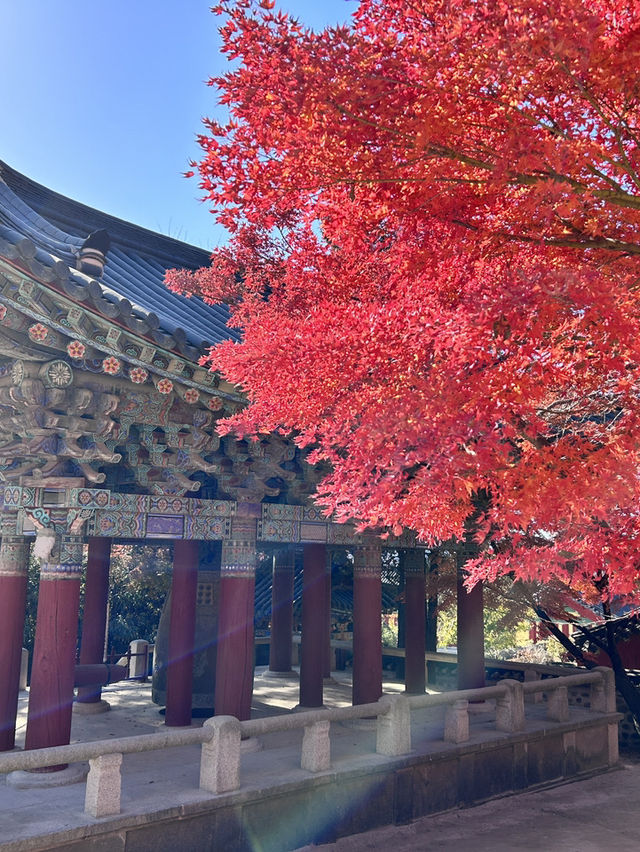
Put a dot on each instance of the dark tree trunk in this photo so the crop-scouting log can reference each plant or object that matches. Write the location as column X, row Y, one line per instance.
column 624, row 684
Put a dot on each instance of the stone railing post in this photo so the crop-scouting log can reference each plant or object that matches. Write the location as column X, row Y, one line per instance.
column 220, row 758
column 139, row 658
column 603, row 691
column 316, row 747
column 558, row 704
column 102, row 796
column 393, row 736
column 456, row 722
column 603, row 700
column 510, row 707
column 532, row 676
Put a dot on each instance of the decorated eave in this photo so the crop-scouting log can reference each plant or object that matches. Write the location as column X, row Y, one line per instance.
column 70, row 506
column 99, row 373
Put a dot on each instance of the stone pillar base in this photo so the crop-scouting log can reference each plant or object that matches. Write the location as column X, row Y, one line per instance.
column 291, row 674
column 301, row 708
column 90, row 708
column 24, row 780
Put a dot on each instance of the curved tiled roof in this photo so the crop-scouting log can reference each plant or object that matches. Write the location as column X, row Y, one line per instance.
column 54, row 228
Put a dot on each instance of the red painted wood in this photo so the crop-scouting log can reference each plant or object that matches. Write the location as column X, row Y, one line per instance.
column 312, row 650
column 94, row 618
column 182, row 631
column 367, row 638
column 281, row 611
column 13, row 591
column 470, row 638
column 234, row 663
column 54, row 657
column 414, row 667
column 326, row 670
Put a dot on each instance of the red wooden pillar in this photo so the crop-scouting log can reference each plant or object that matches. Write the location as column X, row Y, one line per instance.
column 54, row 653
column 326, row 669
column 312, row 651
column 182, row 631
column 94, row 619
column 282, row 612
column 414, row 585
column 367, row 629
column 14, row 561
column 470, row 635
column 234, row 662
column 431, row 626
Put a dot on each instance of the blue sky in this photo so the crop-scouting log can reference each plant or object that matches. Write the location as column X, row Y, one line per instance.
column 102, row 101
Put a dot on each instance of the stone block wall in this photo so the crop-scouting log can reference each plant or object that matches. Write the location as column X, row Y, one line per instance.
column 334, row 804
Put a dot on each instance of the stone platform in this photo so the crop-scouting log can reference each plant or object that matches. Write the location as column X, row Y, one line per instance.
column 279, row 805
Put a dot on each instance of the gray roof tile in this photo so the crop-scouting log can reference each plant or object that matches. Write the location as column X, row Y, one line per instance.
column 136, row 262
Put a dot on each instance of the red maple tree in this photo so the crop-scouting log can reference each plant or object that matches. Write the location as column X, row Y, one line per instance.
column 435, row 266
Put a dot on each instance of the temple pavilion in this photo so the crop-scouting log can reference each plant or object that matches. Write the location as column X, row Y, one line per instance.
column 108, row 435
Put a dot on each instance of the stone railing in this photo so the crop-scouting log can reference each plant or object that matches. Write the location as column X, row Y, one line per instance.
column 220, row 736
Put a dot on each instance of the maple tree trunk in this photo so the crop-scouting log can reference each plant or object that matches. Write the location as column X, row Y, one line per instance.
column 624, row 684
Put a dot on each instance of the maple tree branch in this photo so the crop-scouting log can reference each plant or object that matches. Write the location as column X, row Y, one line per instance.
column 600, row 174
column 582, row 88
column 565, row 242
column 629, row 169
column 566, row 643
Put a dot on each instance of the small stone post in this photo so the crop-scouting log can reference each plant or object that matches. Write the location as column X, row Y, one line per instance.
column 558, row 704
column 139, row 659
column 394, row 726
column 603, row 691
column 316, row 747
column 220, row 759
column 510, row 707
column 603, row 700
column 102, row 797
column 456, row 722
